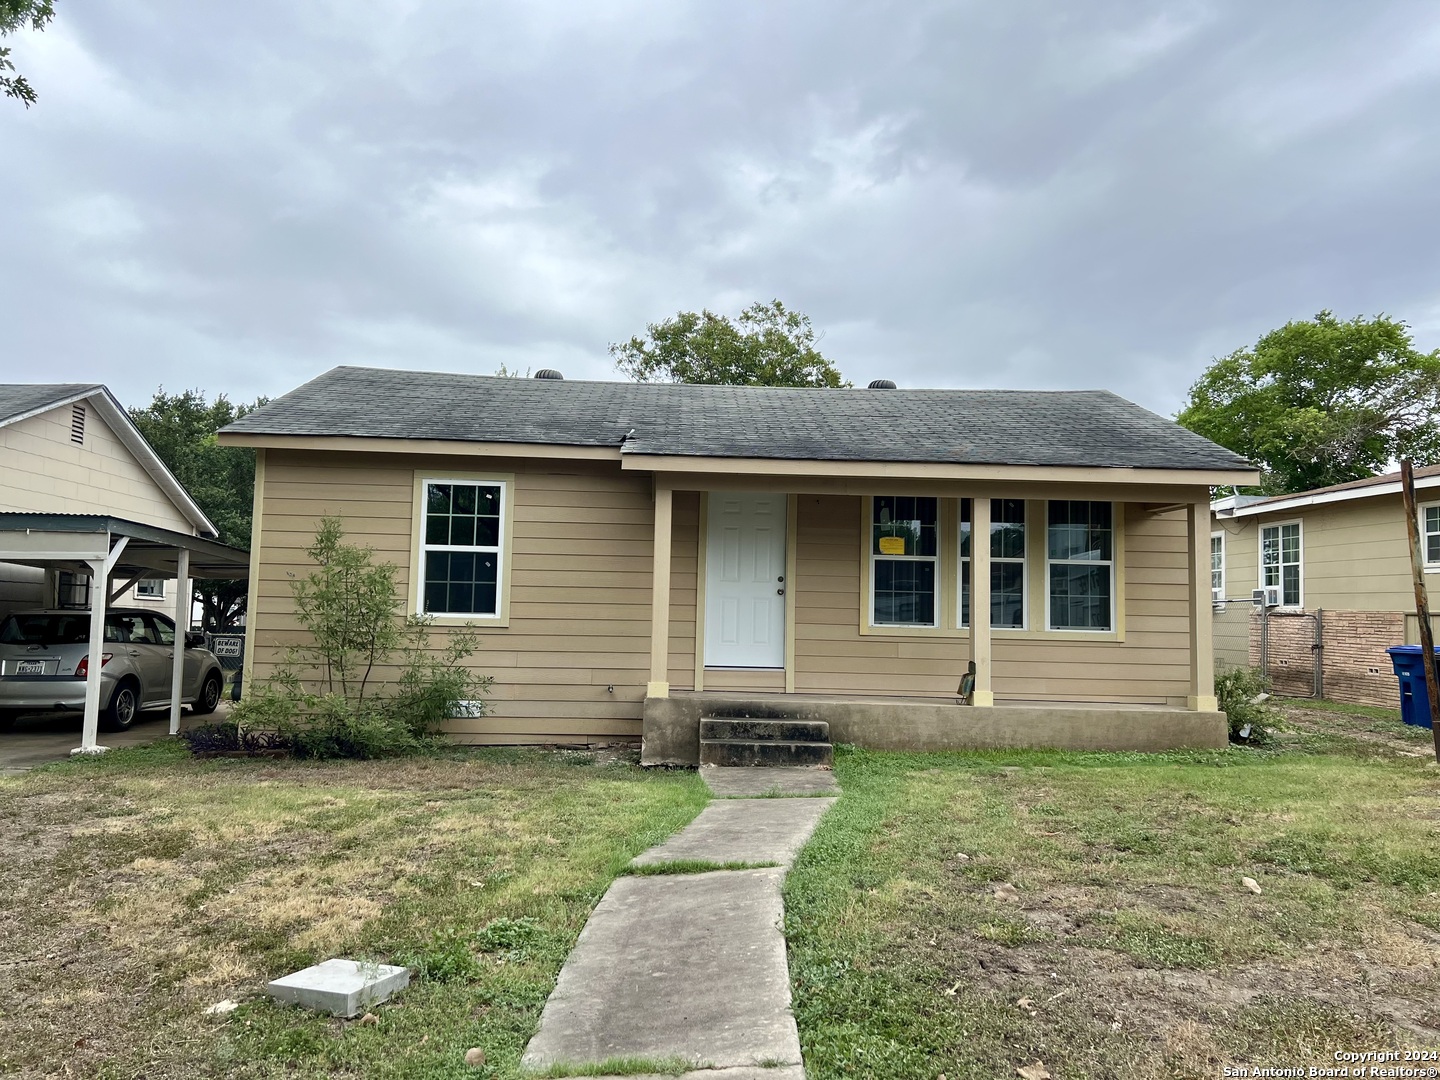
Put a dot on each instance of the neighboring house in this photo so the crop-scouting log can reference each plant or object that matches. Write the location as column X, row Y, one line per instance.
column 1336, row 562
column 813, row 548
column 72, row 449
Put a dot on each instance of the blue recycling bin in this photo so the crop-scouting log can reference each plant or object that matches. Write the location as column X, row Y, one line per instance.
column 1409, row 664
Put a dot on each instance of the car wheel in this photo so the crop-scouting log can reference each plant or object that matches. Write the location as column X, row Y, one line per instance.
column 7, row 719
column 124, row 707
column 209, row 695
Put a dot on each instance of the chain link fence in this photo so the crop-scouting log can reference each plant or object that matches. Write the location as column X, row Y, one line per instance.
column 1288, row 646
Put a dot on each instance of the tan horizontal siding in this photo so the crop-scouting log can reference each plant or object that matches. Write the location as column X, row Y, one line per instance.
column 759, row 681
column 581, row 566
column 832, row 656
column 43, row 471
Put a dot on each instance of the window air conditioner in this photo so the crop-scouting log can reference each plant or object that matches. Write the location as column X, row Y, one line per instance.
column 1267, row 597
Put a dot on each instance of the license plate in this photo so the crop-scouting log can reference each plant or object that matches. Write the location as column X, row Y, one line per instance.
column 30, row 667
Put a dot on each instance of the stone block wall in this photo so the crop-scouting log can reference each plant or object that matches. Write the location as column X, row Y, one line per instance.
column 1356, row 666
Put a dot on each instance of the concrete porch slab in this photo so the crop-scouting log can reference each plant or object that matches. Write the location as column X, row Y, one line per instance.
column 671, row 725
column 689, row 967
column 741, row 783
column 743, row 830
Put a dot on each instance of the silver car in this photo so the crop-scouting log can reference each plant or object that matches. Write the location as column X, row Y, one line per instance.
column 44, row 662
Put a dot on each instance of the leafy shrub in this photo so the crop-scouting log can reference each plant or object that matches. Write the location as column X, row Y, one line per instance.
column 332, row 697
column 1236, row 689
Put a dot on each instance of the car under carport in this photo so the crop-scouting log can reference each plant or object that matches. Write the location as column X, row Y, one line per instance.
column 116, row 553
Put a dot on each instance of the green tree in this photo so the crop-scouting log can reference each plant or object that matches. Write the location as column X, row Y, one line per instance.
column 17, row 15
column 181, row 428
column 1322, row 401
column 768, row 345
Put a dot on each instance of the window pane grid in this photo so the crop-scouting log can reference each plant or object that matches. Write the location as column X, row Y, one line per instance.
column 462, row 548
column 1280, row 561
column 1007, row 563
column 1430, row 526
column 1080, row 555
column 904, row 548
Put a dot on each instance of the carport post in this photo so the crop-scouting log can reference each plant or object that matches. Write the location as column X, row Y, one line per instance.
column 182, row 624
column 99, row 583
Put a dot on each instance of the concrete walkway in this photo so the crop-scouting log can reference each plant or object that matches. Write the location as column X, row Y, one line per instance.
column 691, row 966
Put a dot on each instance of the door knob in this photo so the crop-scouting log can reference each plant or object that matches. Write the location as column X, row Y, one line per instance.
column 779, row 592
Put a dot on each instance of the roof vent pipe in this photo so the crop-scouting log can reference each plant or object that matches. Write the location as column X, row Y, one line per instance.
column 548, row 373
column 882, row 384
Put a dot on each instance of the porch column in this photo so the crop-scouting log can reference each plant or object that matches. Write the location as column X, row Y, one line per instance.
column 1202, row 642
column 99, row 586
column 980, row 600
column 659, row 684
column 182, row 624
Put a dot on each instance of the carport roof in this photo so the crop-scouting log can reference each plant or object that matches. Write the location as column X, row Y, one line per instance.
column 150, row 550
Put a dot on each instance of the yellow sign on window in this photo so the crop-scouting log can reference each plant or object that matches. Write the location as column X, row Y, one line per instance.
column 892, row 545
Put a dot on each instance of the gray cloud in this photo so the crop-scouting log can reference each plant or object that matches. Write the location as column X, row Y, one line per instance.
column 237, row 197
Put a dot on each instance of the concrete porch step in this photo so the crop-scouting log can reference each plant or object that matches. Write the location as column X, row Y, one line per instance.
column 774, row 752
column 746, row 729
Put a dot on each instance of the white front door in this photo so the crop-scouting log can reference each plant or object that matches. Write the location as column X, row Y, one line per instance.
column 745, row 581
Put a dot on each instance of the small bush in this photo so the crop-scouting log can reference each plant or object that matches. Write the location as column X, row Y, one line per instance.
column 1236, row 690
column 365, row 683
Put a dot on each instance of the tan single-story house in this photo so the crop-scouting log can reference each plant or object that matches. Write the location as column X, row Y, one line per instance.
column 1335, row 566
column 634, row 555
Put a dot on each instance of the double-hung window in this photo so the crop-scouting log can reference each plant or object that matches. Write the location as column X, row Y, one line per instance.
column 1217, row 566
column 1080, row 565
column 154, row 588
column 1007, row 563
column 904, row 555
column 461, row 548
column 1430, row 535
column 1280, row 561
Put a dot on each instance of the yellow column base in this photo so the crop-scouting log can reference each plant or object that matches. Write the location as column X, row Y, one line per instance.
column 657, row 689
column 982, row 697
column 1202, row 704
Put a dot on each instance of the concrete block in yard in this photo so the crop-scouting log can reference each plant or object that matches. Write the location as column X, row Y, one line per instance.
column 340, row 987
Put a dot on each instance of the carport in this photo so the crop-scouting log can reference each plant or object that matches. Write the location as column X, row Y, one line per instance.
column 114, row 549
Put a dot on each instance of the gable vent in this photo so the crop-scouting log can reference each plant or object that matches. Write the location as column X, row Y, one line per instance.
column 77, row 424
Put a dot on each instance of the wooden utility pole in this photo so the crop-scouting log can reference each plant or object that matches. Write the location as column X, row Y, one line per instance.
column 1422, row 603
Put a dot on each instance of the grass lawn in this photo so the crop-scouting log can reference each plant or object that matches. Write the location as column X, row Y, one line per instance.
column 142, row 887
column 1130, row 947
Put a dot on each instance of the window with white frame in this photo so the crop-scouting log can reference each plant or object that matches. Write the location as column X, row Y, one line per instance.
column 904, row 555
column 1217, row 566
column 461, row 548
column 1430, row 534
column 1080, row 565
column 1007, row 563
column 151, row 588
column 1280, row 561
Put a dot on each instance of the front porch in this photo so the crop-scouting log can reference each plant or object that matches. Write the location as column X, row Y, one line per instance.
column 672, row 723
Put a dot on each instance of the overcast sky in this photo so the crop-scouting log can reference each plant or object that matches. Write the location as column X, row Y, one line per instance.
column 237, row 197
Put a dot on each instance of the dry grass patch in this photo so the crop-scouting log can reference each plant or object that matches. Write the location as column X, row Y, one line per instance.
column 146, row 886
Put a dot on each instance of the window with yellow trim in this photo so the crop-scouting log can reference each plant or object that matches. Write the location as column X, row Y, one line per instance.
column 461, row 548
column 905, row 554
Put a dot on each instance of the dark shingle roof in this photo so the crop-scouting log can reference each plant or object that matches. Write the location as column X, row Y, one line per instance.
column 17, row 399
column 1010, row 427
